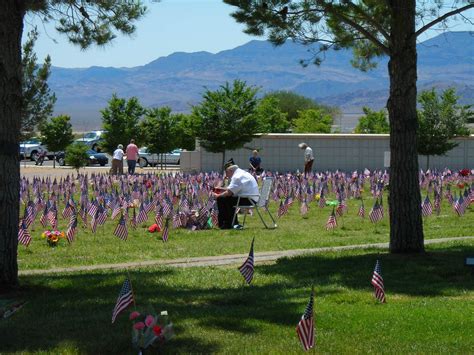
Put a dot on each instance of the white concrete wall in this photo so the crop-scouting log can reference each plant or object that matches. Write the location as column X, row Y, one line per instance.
column 345, row 152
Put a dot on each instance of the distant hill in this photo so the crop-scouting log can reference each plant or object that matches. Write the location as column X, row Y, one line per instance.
column 178, row 80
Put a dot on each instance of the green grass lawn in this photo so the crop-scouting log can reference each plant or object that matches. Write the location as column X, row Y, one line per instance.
column 293, row 232
column 429, row 305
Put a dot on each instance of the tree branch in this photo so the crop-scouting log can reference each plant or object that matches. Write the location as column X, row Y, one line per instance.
column 442, row 18
column 362, row 30
column 369, row 20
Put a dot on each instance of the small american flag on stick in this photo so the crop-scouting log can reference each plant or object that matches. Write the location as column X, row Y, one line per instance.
column 247, row 268
column 377, row 282
column 124, row 299
column 121, row 230
column 305, row 327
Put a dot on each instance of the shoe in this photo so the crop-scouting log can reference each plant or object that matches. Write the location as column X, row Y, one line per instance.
column 239, row 227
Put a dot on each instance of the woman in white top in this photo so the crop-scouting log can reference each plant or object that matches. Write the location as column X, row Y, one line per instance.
column 117, row 161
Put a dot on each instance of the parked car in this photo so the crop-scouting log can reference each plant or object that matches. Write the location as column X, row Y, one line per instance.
column 29, row 149
column 94, row 158
column 146, row 158
column 92, row 139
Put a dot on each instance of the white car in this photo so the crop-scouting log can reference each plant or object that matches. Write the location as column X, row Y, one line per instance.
column 147, row 158
column 29, row 149
column 92, row 139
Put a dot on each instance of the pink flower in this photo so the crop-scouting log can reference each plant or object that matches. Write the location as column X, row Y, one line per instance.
column 139, row 325
column 149, row 320
column 134, row 315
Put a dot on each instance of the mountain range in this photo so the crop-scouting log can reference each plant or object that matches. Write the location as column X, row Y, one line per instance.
column 179, row 80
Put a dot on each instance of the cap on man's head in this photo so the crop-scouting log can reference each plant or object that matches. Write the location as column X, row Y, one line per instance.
column 229, row 163
column 302, row 145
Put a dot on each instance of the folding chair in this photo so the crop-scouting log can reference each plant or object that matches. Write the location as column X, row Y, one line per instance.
column 257, row 202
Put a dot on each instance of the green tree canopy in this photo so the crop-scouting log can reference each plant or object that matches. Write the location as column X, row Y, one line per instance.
column 56, row 134
column 38, row 101
column 270, row 116
column 290, row 103
column 373, row 122
column 313, row 121
column 185, row 131
column 226, row 118
column 158, row 130
column 372, row 28
column 120, row 122
column 441, row 119
column 76, row 156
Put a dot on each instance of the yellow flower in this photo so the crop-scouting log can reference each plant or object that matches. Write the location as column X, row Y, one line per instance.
column 54, row 238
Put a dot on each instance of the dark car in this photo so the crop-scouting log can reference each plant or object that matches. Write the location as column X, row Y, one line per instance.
column 94, row 158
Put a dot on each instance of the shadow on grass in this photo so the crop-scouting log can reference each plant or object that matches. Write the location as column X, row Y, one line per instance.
column 73, row 312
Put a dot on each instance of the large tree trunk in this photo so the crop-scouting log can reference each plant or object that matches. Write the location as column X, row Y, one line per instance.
column 11, row 28
column 406, row 228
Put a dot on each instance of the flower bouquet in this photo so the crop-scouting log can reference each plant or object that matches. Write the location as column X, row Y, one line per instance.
column 52, row 237
column 150, row 329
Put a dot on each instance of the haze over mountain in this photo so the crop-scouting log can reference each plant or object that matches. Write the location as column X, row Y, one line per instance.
column 178, row 80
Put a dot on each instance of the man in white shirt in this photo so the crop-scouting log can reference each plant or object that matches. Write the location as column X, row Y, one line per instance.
column 241, row 183
column 308, row 158
column 117, row 161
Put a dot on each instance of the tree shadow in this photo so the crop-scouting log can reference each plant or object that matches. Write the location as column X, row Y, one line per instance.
column 76, row 309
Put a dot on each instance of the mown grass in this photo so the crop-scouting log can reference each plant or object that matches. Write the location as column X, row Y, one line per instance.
column 293, row 232
column 428, row 310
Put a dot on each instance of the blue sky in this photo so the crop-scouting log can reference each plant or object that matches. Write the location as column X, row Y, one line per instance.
column 170, row 26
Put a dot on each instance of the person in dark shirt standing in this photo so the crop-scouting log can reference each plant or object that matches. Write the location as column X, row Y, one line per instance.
column 255, row 162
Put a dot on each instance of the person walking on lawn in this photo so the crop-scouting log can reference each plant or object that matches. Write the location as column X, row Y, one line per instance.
column 132, row 156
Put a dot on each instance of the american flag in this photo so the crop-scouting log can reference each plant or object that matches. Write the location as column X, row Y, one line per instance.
column 71, row 231
column 142, row 215
column 377, row 282
column 305, row 327
column 214, row 217
column 426, row 207
column 23, row 234
column 332, row 221
column 159, row 219
column 247, row 268
column 29, row 215
column 68, row 210
column 121, row 230
column 101, row 215
column 164, row 236
column 116, row 209
column 341, row 206
column 361, row 212
column 459, row 206
column 125, row 299
column 322, row 200
column 44, row 216
column 95, row 222
column 376, row 213
column 283, row 209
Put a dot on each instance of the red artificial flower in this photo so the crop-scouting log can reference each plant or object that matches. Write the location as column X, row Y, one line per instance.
column 157, row 330
column 464, row 172
column 149, row 320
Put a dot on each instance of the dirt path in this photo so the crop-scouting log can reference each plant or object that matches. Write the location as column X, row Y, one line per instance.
column 218, row 260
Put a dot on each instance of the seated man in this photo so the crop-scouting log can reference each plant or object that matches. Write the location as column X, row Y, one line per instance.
column 241, row 183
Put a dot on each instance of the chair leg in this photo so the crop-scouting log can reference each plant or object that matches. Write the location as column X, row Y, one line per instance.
column 261, row 218
column 273, row 220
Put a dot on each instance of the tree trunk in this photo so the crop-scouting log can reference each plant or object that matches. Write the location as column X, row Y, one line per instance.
column 406, row 228
column 11, row 28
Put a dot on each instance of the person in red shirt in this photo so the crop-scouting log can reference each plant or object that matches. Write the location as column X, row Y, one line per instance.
column 132, row 156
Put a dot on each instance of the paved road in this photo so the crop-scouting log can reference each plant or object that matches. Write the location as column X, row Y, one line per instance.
column 269, row 256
